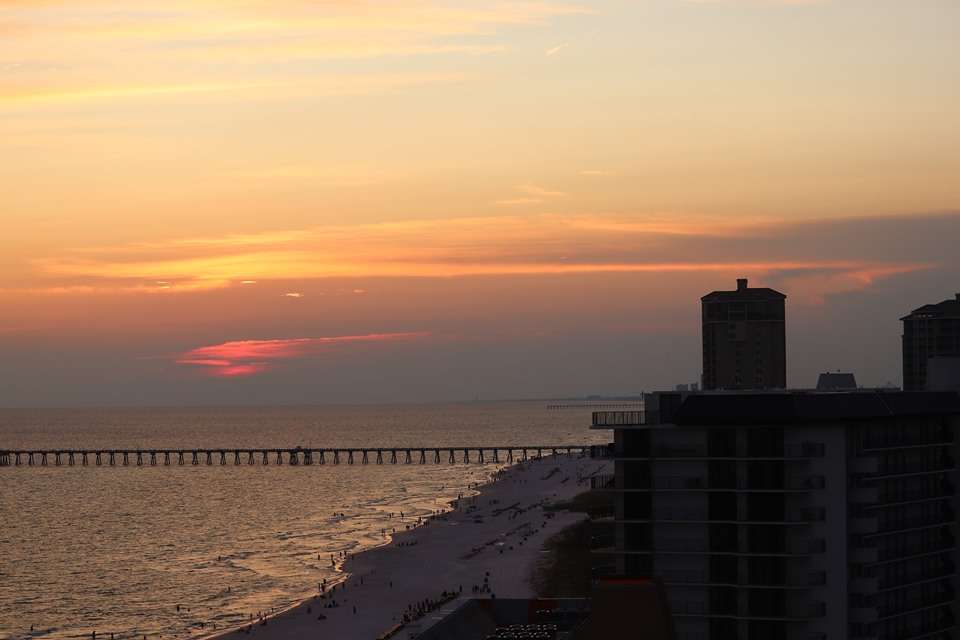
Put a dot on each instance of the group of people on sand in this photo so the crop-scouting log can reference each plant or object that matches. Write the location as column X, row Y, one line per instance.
column 421, row 608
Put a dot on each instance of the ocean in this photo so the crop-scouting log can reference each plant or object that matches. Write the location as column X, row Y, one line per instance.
column 179, row 551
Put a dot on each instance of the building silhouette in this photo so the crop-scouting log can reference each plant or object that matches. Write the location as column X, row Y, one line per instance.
column 744, row 339
column 932, row 331
column 789, row 515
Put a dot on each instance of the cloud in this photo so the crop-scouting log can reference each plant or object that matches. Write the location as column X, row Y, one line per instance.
column 276, row 90
column 557, row 49
column 538, row 191
column 830, row 255
column 293, row 294
column 758, row 3
column 65, row 53
column 534, row 194
column 243, row 358
column 510, row 202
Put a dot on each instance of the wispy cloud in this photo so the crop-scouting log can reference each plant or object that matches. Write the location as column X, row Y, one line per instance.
column 540, row 192
column 498, row 245
column 243, row 358
column 557, row 49
column 533, row 194
column 511, row 202
column 66, row 52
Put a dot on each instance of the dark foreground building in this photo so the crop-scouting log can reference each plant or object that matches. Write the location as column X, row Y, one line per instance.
column 932, row 331
column 790, row 516
column 744, row 339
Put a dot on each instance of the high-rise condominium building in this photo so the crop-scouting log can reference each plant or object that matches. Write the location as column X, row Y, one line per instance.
column 789, row 516
column 932, row 331
column 744, row 339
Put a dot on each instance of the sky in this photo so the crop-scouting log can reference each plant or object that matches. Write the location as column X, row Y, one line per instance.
column 350, row 201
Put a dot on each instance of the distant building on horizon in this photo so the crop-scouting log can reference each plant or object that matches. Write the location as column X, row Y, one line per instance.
column 744, row 339
column 836, row 382
column 931, row 331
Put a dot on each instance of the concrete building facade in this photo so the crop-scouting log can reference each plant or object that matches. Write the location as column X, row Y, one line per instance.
column 795, row 516
column 744, row 339
column 931, row 331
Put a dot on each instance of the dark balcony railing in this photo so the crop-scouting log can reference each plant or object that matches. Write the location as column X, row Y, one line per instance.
column 933, row 630
column 672, row 514
column 885, row 553
column 696, row 451
column 788, row 483
column 876, row 441
column 809, row 546
column 602, row 481
column 808, row 611
column 909, row 605
column 894, row 496
column 900, row 581
column 907, row 470
column 900, row 525
column 697, row 577
column 618, row 418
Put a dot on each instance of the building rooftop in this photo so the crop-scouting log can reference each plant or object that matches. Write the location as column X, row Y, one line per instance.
column 836, row 382
column 744, row 292
column 945, row 308
column 800, row 408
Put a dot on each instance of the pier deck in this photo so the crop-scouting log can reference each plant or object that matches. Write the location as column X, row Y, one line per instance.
column 296, row 456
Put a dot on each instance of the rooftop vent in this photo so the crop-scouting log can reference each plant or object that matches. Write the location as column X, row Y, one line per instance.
column 742, row 285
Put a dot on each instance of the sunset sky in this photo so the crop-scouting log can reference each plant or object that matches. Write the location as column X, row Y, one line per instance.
column 305, row 201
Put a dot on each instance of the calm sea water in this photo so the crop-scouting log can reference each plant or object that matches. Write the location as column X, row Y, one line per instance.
column 117, row 549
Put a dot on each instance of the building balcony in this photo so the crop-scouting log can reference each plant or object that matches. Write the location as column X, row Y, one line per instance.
column 944, row 440
column 804, row 613
column 915, row 605
column 789, row 484
column 662, row 452
column 948, row 572
column 908, row 525
column 806, row 516
column 898, row 498
column 606, row 419
column 885, row 555
column 926, row 632
column 604, row 545
column 696, row 578
column 907, row 471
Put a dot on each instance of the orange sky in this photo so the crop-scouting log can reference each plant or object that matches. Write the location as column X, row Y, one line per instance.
column 181, row 177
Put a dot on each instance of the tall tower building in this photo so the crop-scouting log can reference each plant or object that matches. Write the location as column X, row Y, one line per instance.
column 744, row 339
column 930, row 332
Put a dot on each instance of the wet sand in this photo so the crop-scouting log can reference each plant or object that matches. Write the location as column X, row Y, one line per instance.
column 487, row 546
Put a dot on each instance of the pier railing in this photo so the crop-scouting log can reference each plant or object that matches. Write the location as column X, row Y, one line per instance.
column 296, row 456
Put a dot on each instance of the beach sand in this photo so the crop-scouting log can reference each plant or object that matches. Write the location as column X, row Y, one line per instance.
column 495, row 536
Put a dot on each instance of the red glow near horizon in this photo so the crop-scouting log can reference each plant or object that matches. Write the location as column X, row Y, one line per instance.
column 241, row 358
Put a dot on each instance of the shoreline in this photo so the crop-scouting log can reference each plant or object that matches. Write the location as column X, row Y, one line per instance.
column 341, row 575
column 475, row 549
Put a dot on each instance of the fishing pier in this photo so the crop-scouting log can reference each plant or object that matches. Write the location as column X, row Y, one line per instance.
column 298, row 456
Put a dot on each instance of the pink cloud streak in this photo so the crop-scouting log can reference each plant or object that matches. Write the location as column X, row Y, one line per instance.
column 242, row 358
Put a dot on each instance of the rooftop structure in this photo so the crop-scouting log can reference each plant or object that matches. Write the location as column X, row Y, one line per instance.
column 789, row 515
column 744, row 339
column 930, row 331
column 836, row 382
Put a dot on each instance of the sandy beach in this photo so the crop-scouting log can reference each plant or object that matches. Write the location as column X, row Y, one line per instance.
column 485, row 546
